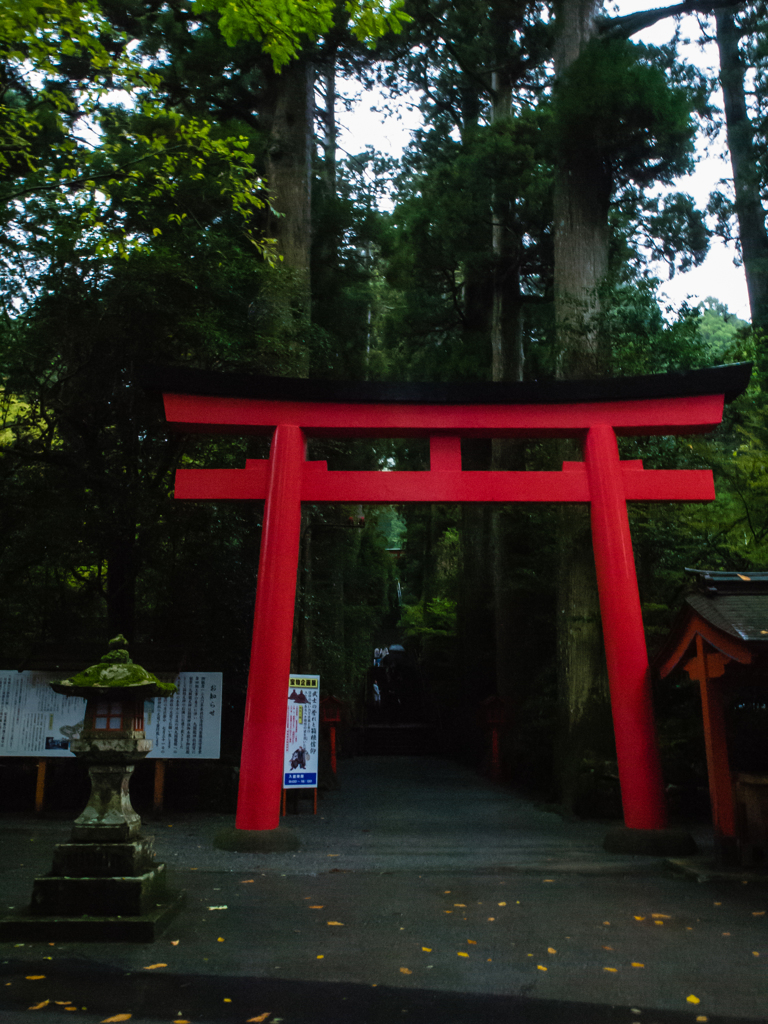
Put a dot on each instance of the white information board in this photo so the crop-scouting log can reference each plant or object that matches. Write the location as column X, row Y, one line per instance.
column 302, row 733
column 36, row 722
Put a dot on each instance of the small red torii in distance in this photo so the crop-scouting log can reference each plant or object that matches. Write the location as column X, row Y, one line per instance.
column 594, row 412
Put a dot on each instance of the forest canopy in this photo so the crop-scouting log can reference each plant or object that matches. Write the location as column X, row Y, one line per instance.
column 172, row 190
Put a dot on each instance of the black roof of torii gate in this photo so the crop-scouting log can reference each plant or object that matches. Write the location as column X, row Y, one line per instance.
column 730, row 380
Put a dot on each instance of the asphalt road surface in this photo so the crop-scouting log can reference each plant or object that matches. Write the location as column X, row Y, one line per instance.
column 421, row 893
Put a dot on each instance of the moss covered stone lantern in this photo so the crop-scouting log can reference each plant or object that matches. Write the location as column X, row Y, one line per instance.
column 105, row 882
column 112, row 740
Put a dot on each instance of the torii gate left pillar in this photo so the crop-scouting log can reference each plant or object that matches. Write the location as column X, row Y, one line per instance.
column 602, row 479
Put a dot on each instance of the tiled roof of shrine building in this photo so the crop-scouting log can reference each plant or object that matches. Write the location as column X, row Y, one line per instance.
column 735, row 602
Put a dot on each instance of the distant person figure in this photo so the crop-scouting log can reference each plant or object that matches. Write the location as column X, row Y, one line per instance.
column 377, row 658
column 376, row 695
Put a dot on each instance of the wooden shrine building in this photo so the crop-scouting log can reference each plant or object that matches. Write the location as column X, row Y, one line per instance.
column 720, row 638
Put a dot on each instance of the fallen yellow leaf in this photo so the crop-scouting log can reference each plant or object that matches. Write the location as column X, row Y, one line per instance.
column 757, row 913
column 447, row 911
column 406, row 970
column 540, row 968
column 63, row 1002
column 446, row 892
column 692, row 999
column 608, row 947
column 471, row 942
column 638, row 917
column 247, row 881
column 550, row 950
column 220, row 939
column 39, row 1006
column 462, row 954
column 426, row 949
column 701, row 1019
column 459, row 904
column 317, row 906
column 340, row 923
column 502, row 904
column 35, row 977
column 638, row 965
column 491, row 918
column 725, row 933
column 755, row 953
column 665, row 916
column 321, row 956
column 117, row 1018
column 606, row 922
column 334, row 854
column 152, row 967
column 174, row 942
column 548, row 880
column 613, row 970
column 260, row 1018
column 227, row 999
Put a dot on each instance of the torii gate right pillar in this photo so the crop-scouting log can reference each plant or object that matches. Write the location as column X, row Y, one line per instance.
column 640, row 778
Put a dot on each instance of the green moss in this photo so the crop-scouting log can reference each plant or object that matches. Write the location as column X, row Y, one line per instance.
column 117, row 669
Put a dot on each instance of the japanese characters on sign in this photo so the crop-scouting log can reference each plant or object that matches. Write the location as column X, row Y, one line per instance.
column 36, row 722
column 302, row 733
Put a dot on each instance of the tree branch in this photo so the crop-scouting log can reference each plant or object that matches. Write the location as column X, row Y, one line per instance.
column 629, row 24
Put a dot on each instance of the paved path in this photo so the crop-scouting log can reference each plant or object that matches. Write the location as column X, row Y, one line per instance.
column 421, row 893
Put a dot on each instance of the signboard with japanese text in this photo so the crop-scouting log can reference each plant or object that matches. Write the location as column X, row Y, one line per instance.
column 302, row 732
column 36, row 722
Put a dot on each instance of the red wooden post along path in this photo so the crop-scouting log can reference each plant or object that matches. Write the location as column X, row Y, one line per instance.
column 593, row 411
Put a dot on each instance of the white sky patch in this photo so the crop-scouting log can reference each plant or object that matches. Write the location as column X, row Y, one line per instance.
column 368, row 124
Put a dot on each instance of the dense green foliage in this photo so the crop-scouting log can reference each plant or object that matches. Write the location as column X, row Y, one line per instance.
column 135, row 233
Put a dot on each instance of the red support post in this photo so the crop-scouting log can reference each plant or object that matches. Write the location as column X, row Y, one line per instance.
column 716, row 743
column 642, row 789
column 495, row 754
column 261, row 765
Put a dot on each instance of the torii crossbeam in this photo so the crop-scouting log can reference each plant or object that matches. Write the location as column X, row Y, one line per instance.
column 594, row 412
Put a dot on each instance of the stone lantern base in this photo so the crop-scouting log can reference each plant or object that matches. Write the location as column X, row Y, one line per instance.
column 122, row 886
column 105, row 884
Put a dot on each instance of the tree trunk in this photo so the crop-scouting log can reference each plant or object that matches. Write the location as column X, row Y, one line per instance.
column 744, row 162
column 585, row 710
column 581, row 203
column 475, row 610
column 305, row 640
column 287, row 112
column 121, row 586
column 330, row 134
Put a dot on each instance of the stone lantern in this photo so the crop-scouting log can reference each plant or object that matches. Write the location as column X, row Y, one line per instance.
column 105, row 882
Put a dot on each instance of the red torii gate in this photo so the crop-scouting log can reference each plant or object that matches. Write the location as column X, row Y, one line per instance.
column 593, row 411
